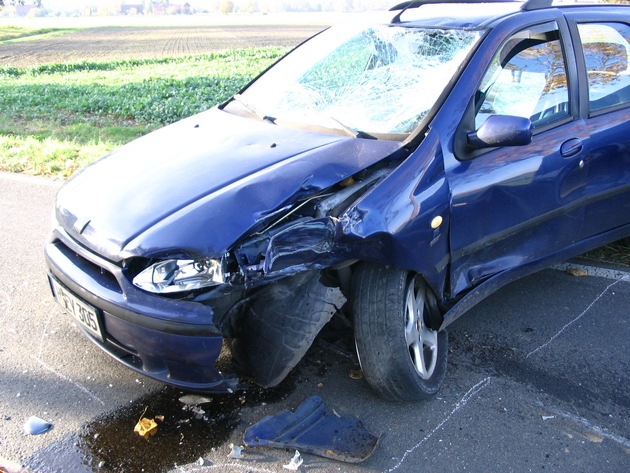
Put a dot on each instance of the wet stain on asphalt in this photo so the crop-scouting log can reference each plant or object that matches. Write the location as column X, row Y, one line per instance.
column 109, row 444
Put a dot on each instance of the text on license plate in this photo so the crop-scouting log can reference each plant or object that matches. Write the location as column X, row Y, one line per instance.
column 84, row 313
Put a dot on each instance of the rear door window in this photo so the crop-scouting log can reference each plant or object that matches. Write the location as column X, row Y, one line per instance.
column 606, row 48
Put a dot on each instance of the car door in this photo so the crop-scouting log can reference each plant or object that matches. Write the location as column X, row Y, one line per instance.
column 603, row 51
column 512, row 205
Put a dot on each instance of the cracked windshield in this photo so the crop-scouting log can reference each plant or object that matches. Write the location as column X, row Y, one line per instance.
column 378, row 81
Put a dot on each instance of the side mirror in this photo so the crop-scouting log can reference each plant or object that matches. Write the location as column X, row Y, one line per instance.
column 502, row 130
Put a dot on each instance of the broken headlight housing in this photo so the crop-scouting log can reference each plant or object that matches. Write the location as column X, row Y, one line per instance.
column 179, row 275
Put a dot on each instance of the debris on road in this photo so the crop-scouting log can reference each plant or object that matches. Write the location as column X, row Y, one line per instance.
column 194, row 399
column 236, row 451
column 35, row 426
column 578, row 272
column 356, row 374
column 145, row 427
column 295, row 462
column 312, row 429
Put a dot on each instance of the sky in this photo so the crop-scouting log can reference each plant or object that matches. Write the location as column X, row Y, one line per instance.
column 197, row 4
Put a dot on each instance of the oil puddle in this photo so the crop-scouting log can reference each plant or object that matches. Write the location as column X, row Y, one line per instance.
column 109, row 444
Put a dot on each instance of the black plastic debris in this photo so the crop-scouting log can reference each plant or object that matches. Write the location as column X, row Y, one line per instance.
column 312, row 429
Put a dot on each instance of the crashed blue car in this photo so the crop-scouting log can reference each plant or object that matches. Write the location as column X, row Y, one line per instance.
column 392, row 175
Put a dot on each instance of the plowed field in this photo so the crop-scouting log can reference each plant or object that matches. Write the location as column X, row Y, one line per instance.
column 124, row 42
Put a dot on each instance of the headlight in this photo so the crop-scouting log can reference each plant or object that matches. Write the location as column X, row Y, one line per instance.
column 180, row 275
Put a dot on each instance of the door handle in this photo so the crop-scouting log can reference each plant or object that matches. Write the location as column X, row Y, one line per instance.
column 571, row 147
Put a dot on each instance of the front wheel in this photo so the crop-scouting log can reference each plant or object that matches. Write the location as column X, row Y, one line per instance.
column 401, row 357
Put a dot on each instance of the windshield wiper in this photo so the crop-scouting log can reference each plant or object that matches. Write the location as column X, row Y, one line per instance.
column 351, row 131
column 250, row 108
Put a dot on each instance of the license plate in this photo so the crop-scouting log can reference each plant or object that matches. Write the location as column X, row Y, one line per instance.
column 85, row 314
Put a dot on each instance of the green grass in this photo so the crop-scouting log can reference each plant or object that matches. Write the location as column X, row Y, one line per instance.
column 57, row 118
column 12, row 34
column 615, row 253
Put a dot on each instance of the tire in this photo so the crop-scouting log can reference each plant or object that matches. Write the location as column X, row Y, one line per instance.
column 401, row 358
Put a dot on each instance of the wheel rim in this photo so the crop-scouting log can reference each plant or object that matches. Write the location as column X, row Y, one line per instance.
column 421, row 340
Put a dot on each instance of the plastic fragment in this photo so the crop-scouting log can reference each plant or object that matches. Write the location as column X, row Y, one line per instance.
column 235, row 453
column 295, row 462
column 194, row 399
column 356, row 374
column 198, row 412
column 35, row 426
column 312, row 429
column 548, row 417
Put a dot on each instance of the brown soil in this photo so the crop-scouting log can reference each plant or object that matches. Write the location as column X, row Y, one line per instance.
column 111, row 43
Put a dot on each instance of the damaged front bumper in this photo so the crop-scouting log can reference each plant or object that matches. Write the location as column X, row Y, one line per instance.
column 172, row 341
column 178, row 341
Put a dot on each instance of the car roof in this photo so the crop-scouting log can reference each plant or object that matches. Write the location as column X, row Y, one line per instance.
column 472, row 13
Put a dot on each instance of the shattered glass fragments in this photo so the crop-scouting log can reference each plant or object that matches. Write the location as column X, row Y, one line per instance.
column 377, row 80
column 312, row 429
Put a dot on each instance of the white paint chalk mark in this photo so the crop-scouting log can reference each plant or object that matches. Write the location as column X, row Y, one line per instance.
column 561, row 331
column 472, row 392
column 42, row 338
column 65, row 378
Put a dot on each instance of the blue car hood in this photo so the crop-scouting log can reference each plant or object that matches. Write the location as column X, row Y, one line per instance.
column 198, row 185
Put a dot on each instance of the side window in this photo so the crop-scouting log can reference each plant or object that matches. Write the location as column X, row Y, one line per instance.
column 527, row 78
column 606, row 48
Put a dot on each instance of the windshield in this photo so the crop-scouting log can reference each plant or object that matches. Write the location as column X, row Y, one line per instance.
column 380, row 80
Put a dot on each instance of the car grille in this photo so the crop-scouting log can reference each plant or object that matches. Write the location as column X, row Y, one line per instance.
column 102, row 275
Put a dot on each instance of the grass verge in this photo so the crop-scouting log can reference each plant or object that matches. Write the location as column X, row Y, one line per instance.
column 616, row 253
column 57, row 118
column 12, row 34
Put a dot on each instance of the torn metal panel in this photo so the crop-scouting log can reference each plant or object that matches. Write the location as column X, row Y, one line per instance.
column 312, row 429
column 280, row 323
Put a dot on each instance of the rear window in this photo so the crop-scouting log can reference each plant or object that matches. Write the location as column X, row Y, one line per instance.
column 606, row 47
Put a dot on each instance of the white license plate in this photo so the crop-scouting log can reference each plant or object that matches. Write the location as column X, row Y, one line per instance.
column 84, row 313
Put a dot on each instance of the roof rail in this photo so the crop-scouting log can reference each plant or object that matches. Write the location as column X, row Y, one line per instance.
column 527, row 5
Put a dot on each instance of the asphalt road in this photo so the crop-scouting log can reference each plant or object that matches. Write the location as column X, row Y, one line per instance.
column 538, row 381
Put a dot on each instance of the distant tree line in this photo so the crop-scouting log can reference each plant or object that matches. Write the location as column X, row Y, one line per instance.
column 37, row 3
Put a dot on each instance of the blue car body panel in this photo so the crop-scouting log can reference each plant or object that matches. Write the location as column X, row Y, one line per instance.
column 220, row 185
column 217, row 170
